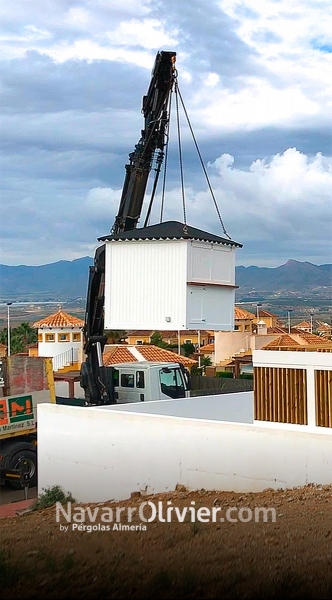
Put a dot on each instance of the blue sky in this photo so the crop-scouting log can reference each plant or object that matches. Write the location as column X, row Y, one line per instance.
column 255, row 79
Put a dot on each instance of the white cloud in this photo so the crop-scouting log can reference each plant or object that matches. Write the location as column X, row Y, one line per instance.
column 283, row 200
column 254, row 78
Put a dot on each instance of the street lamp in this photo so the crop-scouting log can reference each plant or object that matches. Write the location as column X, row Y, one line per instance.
column 257, row 313
column 8, row 327
column 289, row 310
column 311, row 324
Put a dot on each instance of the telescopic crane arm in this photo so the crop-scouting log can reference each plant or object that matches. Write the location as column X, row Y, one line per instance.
column 153, row 137
column 95, row 378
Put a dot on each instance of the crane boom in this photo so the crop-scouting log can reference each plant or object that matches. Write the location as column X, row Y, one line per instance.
column 95, row 378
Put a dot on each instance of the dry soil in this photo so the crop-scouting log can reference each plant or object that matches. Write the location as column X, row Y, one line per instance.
column 288, row 558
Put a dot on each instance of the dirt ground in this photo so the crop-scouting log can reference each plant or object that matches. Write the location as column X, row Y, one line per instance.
column 290, row 557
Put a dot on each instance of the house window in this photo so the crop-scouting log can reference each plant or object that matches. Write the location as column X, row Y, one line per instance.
column 139, row 342
column 49, row 337
column 236, row 328
column 187, row 341
column 247, row 328
column 40, row 337
column 63, row 337
column 127, row 380
column 76, row 337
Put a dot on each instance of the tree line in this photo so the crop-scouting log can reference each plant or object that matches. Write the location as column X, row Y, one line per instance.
column 20, row 337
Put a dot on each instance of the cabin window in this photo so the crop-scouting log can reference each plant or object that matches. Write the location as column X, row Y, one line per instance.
column 187, row 341
column 49, row 337
column 127, row 380
column 140, row 379
column 76, row 337
column 139, row 342
column 236, row 328
column 171, row 383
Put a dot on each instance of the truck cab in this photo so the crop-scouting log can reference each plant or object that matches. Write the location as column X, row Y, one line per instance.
column 146, row 381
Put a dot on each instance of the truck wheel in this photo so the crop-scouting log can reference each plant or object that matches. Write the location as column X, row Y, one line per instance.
column 26, row 452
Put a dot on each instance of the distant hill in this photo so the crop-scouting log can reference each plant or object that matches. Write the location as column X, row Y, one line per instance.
column 293, row 276
column 68, row 279
column 59, row 280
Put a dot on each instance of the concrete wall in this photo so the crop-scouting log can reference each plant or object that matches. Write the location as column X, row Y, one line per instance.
column 228, row 343
column 100, row 454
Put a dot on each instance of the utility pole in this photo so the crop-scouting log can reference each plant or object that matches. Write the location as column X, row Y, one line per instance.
column 257, row 310
column 8, row 328
column 311, row 324
column 289, row 319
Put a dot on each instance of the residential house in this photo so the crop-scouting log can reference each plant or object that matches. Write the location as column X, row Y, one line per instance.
column 304, row 326
column 188, row 336
column 60, row 337
column 243, row 320
column 207, row 351
column 269, row 318
column 324, row 330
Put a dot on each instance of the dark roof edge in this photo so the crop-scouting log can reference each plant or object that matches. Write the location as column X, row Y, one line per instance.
column 225, row 242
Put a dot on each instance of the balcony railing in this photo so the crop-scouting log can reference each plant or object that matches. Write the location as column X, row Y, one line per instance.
column 65, row 359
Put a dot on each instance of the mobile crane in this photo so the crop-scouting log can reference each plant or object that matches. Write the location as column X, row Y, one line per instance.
column 102, row 385
column 96, row 379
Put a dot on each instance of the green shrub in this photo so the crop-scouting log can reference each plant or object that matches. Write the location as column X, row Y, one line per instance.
column 50, row 496
column 226, row 374
column 246, row 376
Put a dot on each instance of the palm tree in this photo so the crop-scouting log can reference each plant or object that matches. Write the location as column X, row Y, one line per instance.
column 116, row 336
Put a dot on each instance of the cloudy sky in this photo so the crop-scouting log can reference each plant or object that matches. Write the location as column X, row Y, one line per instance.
column 256, row 80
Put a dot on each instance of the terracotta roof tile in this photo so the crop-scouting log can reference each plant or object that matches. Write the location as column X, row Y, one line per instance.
column 276, row 330
column 303, row 324
column 241, row 313
column 266, row 313
column 120, row 354
column 59, row 319
column 156, row 354
column 281, row 341
column 207, row 348
column 311, row 338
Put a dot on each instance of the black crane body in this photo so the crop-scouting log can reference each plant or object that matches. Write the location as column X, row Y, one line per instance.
column 95, row 378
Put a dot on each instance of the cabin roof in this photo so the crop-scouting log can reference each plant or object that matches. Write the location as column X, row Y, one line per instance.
column 170, row 230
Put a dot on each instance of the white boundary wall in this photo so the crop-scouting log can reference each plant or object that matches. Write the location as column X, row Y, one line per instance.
column 100, row 454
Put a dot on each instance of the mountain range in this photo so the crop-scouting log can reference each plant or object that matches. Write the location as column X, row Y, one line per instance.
column 68, row 279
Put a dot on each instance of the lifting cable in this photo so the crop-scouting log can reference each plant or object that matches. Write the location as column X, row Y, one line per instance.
column 178, row 93
column 166, row 159
column 180, row 156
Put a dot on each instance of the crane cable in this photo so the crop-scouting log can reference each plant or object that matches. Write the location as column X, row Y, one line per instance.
column 178, row 93
column 166, row 159
column 180, row 156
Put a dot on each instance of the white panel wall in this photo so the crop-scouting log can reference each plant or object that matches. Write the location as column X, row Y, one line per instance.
column 145, row 283
column 101, row 454
column 210, row 307
column 211, row 263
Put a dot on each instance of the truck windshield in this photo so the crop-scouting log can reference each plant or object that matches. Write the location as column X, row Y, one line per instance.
column 171, row 383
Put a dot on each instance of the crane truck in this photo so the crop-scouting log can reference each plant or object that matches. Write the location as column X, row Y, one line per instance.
column 100, row 383
column 127, row 382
